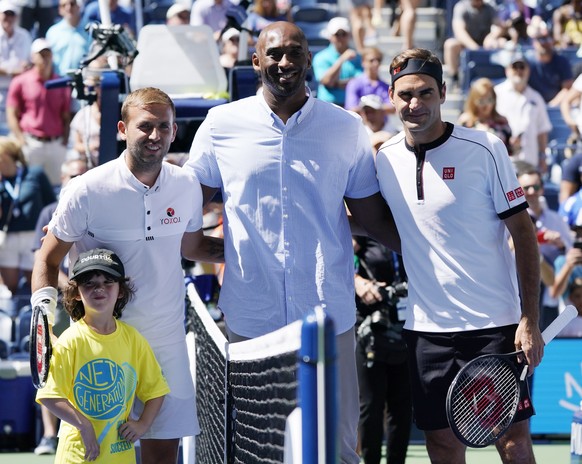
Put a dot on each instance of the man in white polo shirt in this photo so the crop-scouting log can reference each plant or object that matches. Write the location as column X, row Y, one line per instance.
column 454, row 196
column 150, row 213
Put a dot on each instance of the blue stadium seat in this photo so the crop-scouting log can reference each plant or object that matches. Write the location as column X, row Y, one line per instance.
column 478, row 63
column 242, row 82
column 22, row 328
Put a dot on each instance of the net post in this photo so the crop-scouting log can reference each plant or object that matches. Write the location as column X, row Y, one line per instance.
column 317, row 389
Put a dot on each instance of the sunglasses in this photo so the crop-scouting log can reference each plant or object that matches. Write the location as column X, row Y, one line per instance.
column 341, row 34
column 536, row 187
column 518, row 66
column 9, row 13
column 485, row 101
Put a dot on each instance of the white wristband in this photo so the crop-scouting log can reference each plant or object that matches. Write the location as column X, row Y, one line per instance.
column 47, row 298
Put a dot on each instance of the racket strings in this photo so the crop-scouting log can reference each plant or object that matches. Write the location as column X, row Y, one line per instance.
column 485, row 400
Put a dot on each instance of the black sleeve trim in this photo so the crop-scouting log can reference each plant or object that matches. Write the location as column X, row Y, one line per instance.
column 514, row 210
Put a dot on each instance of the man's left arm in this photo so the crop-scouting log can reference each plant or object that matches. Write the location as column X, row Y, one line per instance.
column 528, row 336
column 199, row 247
column 371, row 216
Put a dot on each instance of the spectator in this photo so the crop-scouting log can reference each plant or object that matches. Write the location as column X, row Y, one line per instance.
column 405, row 24
column 24, row 192
column 481, row 113
column 570, row 108
column 85, row 133
column 38, row 15
column 130, row 198
column 15, row 44
column 383, row 377
column 567, row 24
column 119, row 15
column 378, row 126
column 369, row 82
column 212, row 13
column 336, row 64
column 364, row 32
column 475, row 25
column 288, row 232
column 70, row 169
column 177, row 15
column 550, row 73
column 230, row 47
column 525, row 111
column 95, row 297
column 554, row 236
column 574, row 328
column 68, row 39
column 568, row 267
column 39, row 118
column 571, row 176
column 265, row 12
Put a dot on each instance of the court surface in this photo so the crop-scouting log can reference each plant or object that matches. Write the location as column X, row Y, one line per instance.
column 558, row 453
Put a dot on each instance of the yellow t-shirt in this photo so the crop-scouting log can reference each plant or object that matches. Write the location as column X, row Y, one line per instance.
column 101, row 375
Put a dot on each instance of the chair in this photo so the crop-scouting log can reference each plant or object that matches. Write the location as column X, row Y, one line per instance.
column 242, row 82
column 22, row 329
column 478, row 63
column 558, row 145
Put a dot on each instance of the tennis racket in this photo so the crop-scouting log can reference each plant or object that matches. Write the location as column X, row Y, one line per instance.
column 483, row 398
column 40, row 347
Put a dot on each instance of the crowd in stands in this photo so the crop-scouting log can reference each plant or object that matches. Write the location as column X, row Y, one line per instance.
column 45, row 133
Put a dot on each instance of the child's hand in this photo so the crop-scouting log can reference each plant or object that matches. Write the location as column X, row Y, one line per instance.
column 90, row 442
column 133, row 430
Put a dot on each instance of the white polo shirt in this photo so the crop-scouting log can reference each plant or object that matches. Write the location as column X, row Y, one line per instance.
column 462, row 274
column 108, row 207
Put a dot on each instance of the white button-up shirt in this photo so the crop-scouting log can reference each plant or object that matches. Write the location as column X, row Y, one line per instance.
column 288, row 243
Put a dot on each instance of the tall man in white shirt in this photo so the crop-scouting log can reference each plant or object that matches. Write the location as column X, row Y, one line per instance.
column 286, row 162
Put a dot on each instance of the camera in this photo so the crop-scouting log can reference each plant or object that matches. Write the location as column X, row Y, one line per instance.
column 577, row 244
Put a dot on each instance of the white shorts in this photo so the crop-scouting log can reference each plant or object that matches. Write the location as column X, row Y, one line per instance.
column 178, row 417
column 17, row 251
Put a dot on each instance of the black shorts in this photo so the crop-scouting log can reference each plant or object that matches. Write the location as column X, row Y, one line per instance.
column 435, row 359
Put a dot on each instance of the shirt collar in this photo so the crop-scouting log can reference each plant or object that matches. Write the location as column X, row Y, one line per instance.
column 299, row 116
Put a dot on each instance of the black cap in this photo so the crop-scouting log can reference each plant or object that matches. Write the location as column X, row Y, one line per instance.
column 99, row 259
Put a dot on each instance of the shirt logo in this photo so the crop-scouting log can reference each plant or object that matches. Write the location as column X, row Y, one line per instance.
column 510, row 195
column 170, row 212
column 519, row 192
column 448, row 173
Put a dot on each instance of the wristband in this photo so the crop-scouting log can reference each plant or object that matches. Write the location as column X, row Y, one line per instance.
column 47, row 298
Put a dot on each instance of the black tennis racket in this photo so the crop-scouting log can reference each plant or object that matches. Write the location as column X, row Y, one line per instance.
column 483, row 398
column 40, row 346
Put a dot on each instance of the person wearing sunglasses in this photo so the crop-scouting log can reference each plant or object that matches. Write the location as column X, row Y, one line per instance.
column 335, row 65
column 525, row 110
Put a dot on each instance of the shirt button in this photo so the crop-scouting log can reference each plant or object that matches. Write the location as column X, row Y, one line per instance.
column 148, row 212
column 149, row 228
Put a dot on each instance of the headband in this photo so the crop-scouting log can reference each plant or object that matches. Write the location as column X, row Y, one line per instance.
column 415, row 66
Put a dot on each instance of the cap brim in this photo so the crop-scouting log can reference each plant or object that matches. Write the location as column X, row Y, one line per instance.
column 104, row 269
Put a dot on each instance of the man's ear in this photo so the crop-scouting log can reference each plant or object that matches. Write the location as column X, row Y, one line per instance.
column 121, row 129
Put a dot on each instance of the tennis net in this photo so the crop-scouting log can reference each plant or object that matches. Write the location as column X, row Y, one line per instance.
column 245, row 391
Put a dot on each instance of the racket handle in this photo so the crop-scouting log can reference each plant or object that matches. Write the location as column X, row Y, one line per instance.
column 559, row 323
